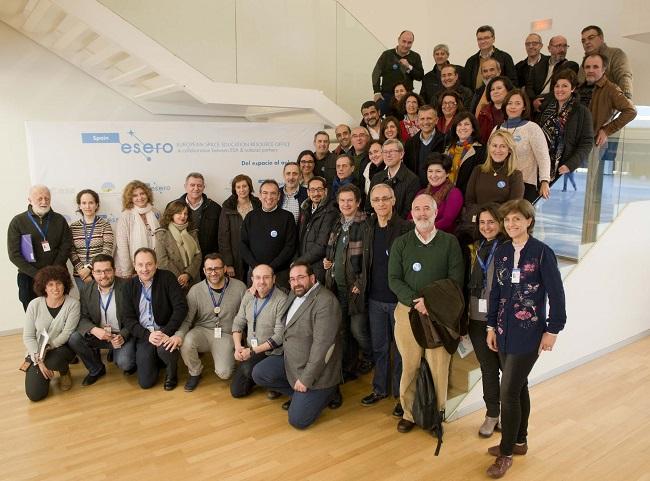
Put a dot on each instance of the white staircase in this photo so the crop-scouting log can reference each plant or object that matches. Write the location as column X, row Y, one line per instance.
column 106, row 47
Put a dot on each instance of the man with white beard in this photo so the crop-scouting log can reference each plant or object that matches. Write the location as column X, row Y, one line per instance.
column 37, row 238
column 417, row 259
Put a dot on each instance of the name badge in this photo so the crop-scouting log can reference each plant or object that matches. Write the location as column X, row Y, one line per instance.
column 474, row 219
column 482, row 305
column 253, row 342
column 46, row 246
column 417, row 267
column 386, row 252
column 516, row 276
column 274, row 233
column 217, row 333
column 217, row 310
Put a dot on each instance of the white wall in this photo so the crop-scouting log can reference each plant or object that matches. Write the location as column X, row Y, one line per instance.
column 37, row 85
column 606, row 296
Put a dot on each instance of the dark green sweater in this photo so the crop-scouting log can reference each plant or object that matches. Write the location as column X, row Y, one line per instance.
column 413, row 265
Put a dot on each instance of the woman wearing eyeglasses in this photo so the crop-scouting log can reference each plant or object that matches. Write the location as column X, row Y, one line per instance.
column 307, row 163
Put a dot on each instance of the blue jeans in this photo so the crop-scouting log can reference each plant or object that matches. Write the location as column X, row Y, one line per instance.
column 87, row 348
column 382, row 327
column 305, row 406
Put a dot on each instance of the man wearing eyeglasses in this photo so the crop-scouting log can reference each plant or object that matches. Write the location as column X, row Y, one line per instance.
column 404, row 183
column 534, row 55
column 383, row 228
column 472, row 74
column 619, row 70
column 257, row 329
column 212, row 306
column 310, row 369
column 317, row 216
column 539, row 79
column 101, row 325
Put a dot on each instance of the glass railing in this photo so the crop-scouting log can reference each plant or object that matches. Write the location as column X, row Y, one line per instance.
column 575, row 215
column 315, row 45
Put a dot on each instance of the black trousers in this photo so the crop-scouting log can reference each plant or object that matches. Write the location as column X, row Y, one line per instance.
column 242, row 383
column 490, row 365
column 515, row 400
column 147, row 357
column 36, row 385
column 25, row 289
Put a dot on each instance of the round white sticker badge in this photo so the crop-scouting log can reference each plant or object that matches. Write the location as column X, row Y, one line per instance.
column 274, row 233
column 501, row 184
column 417, row 267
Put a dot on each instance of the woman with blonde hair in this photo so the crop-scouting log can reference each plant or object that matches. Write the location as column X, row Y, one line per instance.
column 177, row 245
column 136, row 226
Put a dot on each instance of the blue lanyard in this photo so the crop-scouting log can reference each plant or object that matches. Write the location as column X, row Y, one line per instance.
column 88, row 238
column 43, row 232
column 256, row 311
column 484, row 265
column 108, row 303
column 223, row 291
column 148, row 299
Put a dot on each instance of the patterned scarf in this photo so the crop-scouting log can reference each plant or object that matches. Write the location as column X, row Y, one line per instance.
column 440, row 193
column 411, row 126
column 553, row 122
column 457, row 153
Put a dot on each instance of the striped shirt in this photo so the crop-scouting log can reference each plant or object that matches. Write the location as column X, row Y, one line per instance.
column 101, row 242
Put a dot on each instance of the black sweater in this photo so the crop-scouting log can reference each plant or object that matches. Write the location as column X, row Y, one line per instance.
column 269, row 238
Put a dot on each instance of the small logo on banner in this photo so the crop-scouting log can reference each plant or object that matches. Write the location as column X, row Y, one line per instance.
column 107, row 187
column 139, row 148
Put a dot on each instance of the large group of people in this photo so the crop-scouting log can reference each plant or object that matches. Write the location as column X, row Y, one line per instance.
column 315, row 281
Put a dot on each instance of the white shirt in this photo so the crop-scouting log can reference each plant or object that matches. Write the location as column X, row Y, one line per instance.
column 425, row 242
column 297, row 302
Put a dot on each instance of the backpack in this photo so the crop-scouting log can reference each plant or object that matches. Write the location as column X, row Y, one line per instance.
column 425, row 404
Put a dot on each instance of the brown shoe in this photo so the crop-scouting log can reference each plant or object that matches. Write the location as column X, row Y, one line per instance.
column 518, row 449
column 65, row 382
column 404, row 425
column 500, row 466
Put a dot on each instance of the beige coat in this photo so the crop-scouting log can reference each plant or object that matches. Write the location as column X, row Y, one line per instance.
column 169, row 256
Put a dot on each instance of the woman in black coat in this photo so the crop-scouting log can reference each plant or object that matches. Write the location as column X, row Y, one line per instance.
column 233, row 212
column 464, row 148
column 567, row 126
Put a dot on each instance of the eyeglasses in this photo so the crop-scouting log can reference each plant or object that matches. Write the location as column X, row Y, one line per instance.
column 105, row 272
column 316, row 190
column 390, row 152
column 376, row 200
column 449, row 104
column 214, row 269
column 293, row 280
column 306, row 161
column 560, row 45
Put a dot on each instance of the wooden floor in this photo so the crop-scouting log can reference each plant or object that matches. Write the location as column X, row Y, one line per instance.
column 592, row 423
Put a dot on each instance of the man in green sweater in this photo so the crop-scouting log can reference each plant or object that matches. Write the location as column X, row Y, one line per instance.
column 417, row 259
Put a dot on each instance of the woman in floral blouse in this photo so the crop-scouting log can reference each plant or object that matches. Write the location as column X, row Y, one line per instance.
column 525, row 273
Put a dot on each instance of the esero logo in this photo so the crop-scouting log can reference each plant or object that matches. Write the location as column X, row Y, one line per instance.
column 138, row 147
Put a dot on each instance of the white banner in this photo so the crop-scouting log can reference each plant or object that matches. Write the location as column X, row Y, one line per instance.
column 105, row 156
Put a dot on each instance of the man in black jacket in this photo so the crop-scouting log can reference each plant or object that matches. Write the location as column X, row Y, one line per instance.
column 269, row 235
column 533, row 44
column 204, row 212
column 419, row 146
column 383, row 228
column 472, row 74
column 101, row 325
column 37, row 238
column 539, row 80
column 317, row 217
column 155, row 309
column 432, row 83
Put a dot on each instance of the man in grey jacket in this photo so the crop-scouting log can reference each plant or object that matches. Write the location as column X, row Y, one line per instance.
column 310, row 370
column 101, row 325
column 212, row 306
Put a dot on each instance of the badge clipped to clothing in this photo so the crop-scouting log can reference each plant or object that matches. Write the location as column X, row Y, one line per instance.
column 482, row 305
column 46, row 246
column 217, row 333
column 253, row 342
column 516, row 276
